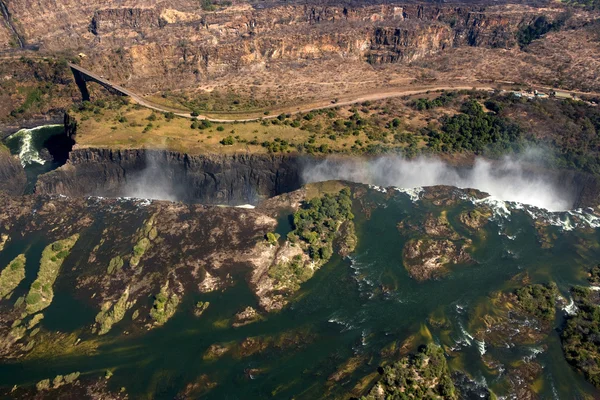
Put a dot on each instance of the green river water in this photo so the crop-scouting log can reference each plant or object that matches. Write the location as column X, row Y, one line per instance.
column 353, row 306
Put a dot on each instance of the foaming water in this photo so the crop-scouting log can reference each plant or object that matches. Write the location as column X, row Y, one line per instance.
column 28, row 143
column 507, row 180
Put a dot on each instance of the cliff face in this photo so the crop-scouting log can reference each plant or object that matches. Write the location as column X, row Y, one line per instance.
column 125, row 18
column 12, row 175
column 153, row 44
column 209, row 179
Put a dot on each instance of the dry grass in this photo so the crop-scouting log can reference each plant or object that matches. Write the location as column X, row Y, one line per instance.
column 104, row 130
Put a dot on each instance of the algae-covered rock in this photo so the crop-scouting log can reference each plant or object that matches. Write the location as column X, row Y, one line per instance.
column 477, row 218
column 245, row 317
column 201, row 306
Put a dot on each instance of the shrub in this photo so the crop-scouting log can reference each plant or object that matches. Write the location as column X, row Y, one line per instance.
column 72, row 377
column 228, row 141
column 272, row 238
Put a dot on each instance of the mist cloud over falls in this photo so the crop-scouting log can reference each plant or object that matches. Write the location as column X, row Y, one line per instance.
column 155, row 181
column 508, row 179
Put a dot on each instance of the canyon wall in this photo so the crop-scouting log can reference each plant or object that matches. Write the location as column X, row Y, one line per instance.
column 210, row 179
column 229, row 179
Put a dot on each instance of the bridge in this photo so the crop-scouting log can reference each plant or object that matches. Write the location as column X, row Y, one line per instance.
column 83, row 75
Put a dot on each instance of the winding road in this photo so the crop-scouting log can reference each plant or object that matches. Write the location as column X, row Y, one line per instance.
column 324, row 104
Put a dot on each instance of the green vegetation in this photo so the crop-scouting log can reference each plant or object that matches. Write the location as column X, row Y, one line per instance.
column 571, row 129
column 138, row 251
column 35, row 320
column 207, row 5
column 476, row 131
column 315, row 227
column 115, row 264
column 422, row 376
column 146, row 235
column 110, row 315
column 41, row 293
column 216, row 101
column 580, row 335
column 593, row 4
column 425, row 104
column 201, row 306
column 164, row 306
column 72, row 377
column 43, row 385
column 228, row 141
column 539, row 300
column 594, row 276
column 12, row 275
column 290, row 275
column 317, row 222
column 58, row 381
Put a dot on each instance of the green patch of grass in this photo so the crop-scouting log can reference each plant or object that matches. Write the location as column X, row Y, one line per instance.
column 110, row 315
column 41, row 294
column 164, row 306
column 12, row 275
column 291, row 274
column 138, row 251
column 35, row 320
column 115, row 264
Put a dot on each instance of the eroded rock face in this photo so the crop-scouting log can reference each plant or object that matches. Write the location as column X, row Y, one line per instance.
column 12, row 175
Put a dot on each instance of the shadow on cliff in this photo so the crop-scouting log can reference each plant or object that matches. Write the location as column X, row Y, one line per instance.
column 164, row 175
